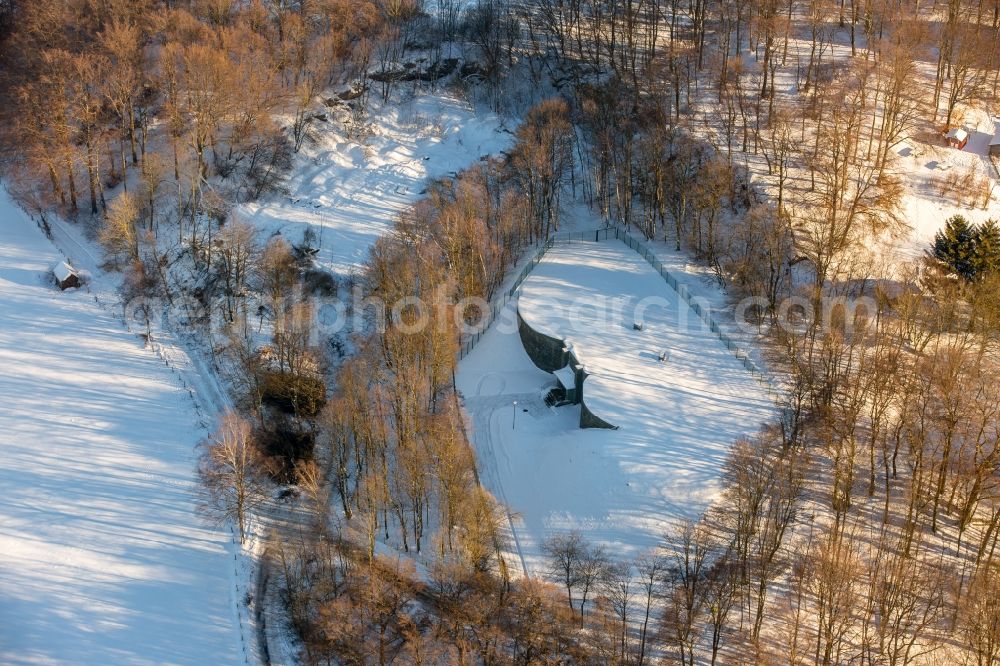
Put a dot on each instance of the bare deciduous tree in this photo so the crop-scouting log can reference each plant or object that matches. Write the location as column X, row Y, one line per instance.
column 565, row 553
column 231, row 472
column 119, row 234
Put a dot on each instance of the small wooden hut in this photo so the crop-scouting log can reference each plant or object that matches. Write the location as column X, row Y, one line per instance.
column 66, row 277
column 957, row 137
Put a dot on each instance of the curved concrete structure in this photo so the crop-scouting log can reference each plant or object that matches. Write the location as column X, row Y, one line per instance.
column 545, row 351
column 590, row 420
column 551, row 353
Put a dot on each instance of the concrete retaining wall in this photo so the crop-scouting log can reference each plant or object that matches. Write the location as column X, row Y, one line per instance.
column 590, row 420
column 544, row 351
column 551, row 354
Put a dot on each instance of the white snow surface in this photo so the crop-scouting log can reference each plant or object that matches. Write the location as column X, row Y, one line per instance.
column 350, row 193
column 677, row 419
column 103, row 559
column 925, row 169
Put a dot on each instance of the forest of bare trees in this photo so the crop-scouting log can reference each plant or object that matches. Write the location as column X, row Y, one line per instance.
column 758, row 136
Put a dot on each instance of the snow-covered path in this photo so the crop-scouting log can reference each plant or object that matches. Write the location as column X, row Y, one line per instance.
column 103, row 559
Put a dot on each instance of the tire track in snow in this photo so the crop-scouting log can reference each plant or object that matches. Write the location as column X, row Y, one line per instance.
column 485, row 409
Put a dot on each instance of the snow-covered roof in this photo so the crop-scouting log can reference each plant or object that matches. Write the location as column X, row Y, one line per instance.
column 566, row 377
column 957, row 133
column 63, row 271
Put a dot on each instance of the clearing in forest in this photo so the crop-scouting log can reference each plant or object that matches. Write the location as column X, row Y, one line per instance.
column 676, row 417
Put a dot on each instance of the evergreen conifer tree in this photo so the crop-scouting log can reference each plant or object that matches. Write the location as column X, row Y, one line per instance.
column 955, row 246
column 987, row 250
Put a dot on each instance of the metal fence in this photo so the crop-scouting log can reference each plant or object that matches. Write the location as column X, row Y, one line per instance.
column 503, row 299
column 692, row 301
column 643, row 250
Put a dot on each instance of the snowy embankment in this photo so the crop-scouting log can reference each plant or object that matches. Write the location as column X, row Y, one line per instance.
column 348, row 193
column 103, row 559
column 677, row 418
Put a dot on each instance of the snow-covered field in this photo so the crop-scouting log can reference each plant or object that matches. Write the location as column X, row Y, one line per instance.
column 620, row 488
column 103, row 559
column 349, row 193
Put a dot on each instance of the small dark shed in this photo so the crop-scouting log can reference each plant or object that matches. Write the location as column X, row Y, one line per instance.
column 66, row 277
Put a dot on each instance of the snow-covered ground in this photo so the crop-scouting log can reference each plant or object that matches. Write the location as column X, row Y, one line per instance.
column 349, row 192
column 620, row 488
column 927, row 169
column 103, row 559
